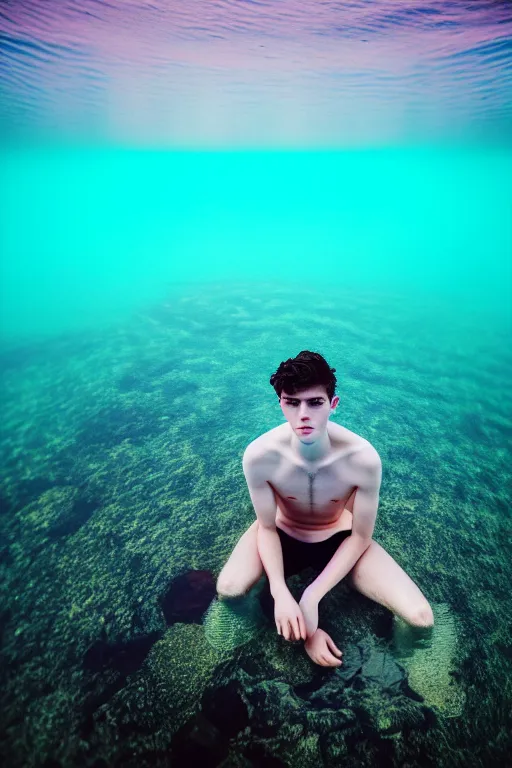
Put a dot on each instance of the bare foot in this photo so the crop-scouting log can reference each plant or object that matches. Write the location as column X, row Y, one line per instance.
column 322, row 650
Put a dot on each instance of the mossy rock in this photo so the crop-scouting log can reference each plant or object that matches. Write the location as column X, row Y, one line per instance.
column 180, row 666
column 232, row 622
column 430, row 660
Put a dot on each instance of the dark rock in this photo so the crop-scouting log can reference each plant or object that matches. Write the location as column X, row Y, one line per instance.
column 226, row 709
column 150, row 758
column 261, row 759
column 382, row 624
column 198, row 742
column 188, row 597
column 125, row 657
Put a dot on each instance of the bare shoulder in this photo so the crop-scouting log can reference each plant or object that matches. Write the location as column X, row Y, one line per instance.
column 265, row 447
column 357, row 449
column 366, row 456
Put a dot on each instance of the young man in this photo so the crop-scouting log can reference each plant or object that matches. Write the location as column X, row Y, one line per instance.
column 315, row 489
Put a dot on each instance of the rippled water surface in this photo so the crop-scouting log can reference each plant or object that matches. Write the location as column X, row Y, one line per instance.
column 257, row 71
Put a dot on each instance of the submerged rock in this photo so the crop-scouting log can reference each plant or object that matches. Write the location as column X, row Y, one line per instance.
column 429, row 656
column 231, row 622
column 187, row 597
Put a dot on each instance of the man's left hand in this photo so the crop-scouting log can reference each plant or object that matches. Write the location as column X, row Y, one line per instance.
column 309, row 607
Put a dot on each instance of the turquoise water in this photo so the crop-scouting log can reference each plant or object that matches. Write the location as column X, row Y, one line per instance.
column 190, row 196
column 91, row 235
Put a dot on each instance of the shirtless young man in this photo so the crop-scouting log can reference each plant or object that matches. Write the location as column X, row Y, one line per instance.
column 315, row 489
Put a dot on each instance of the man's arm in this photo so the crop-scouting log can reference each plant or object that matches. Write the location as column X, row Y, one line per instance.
column 366, row 502
column 265, row 506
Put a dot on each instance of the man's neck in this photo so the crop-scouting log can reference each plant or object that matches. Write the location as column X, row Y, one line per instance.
column 314, row 452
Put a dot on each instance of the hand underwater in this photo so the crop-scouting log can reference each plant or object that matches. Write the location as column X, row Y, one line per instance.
column 309, row 607
column 322, row 649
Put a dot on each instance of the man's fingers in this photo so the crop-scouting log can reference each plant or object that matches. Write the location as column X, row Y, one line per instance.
column 332, row 647
column 286, row 630
column 302, row 624
column 293, row 629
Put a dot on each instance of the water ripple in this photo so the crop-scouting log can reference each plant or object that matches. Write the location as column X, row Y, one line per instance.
column 310, row 72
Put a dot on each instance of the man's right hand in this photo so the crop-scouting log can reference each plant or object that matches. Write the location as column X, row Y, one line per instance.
column 290, row 621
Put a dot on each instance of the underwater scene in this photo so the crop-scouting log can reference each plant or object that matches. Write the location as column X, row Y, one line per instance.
column 123, row 495
column 203, row 206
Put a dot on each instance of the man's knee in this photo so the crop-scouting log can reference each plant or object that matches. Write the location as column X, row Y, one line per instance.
column 226, row 587
column 244, row 567
column 423, row 617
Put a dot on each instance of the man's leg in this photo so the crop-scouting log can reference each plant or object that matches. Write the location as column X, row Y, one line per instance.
column 377, row 576
column 243, row 567
column 234, row 617
column 427, row 649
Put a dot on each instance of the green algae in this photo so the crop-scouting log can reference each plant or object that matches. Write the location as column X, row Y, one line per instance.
column 231, row 622
column 172, row 497
column 180, row 666
column 430, row 656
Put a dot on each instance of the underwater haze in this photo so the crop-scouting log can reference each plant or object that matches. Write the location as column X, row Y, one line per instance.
column 190, row 194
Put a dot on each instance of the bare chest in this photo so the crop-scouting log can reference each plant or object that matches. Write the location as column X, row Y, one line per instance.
column 311, row 501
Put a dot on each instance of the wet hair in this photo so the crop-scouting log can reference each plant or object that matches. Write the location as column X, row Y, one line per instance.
column 308, row 369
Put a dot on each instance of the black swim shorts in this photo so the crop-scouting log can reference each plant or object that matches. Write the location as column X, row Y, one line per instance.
column 298, row 555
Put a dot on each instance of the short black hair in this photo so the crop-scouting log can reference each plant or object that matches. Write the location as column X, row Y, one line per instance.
column 308, row 369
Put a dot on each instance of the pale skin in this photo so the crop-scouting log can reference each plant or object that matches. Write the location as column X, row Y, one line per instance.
column 312, row 485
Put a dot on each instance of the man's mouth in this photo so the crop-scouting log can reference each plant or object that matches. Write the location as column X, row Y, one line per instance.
column 306, row 429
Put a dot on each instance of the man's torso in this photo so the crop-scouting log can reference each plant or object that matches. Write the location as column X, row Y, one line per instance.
column 314, row 499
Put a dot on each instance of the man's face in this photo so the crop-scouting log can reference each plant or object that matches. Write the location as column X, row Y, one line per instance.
column 308, row 408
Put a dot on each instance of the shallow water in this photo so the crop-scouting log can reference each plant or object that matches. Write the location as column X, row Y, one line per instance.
column 123, row 495
column 145, row 299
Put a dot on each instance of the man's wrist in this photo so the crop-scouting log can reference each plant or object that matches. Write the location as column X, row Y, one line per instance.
column 278, row 589
column 311, row 593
